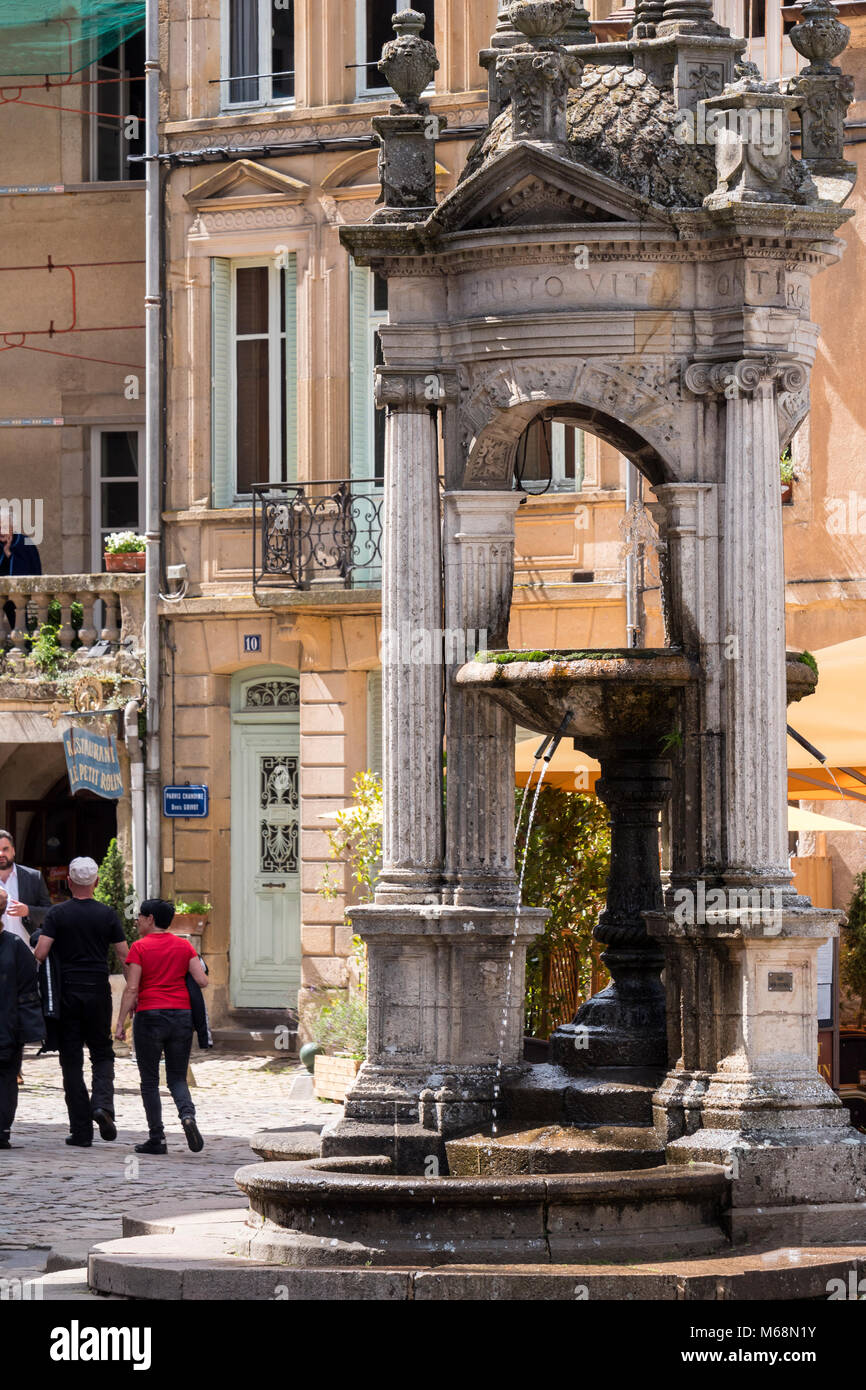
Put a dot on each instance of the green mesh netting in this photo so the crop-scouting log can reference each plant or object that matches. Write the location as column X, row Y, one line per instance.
column 39, row 38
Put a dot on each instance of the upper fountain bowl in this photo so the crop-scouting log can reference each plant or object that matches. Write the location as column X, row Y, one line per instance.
column 620, row 697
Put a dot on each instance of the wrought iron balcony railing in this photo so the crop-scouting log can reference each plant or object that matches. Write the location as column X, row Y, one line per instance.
column 317, row 535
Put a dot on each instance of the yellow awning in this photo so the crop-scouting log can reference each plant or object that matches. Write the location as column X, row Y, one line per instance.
column 833, row 720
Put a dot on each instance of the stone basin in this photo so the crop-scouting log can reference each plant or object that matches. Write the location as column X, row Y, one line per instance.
column 607, row 701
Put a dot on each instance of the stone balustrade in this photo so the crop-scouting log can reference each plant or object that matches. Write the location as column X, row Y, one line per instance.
column 112, row 612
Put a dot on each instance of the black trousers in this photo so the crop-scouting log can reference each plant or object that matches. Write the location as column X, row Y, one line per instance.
column 154, row 1032
column 10, row 1065
column 85, row 1021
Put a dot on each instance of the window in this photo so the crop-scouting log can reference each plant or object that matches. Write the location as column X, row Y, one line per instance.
column 117, row 487
column 117, row 112
column 369, row 310
column 754, row 19
column 254, row 378
column 375, row 29
column 258, row 52
column 550, row 457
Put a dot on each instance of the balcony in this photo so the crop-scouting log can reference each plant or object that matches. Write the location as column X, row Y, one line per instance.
column 317, row 536
column 68, row 626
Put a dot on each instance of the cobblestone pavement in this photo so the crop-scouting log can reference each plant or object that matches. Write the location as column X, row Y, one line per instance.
column 56, row 1202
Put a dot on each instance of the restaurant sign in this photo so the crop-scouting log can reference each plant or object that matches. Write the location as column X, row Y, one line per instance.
column 92, row 763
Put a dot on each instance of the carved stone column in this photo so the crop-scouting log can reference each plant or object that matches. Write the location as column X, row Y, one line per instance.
column 755, row 941
column 753, row 615
column 411, row 642
column 479, row 574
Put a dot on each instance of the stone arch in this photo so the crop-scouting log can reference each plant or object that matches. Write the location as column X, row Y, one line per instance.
column 632, row 405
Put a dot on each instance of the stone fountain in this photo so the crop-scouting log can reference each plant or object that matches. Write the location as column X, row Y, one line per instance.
column 594, row 256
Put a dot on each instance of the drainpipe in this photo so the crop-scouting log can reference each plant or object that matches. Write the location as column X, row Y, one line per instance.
column 136, row 774
column 632, row 595
column 153, row 307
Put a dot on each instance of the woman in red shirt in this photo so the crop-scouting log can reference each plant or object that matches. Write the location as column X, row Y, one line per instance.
column 156, row 972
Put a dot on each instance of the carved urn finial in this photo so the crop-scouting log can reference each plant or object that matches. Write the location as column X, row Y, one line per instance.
column 408, row 61
column 820, row 37
column 541, row 19
column 538, row 74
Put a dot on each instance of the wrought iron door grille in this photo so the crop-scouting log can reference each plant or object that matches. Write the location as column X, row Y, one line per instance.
column 323, row 534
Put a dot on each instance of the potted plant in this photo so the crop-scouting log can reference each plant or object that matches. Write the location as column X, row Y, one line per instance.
column 125, row 553
column 191, row 918
column 787, row 476
column 341, row 1029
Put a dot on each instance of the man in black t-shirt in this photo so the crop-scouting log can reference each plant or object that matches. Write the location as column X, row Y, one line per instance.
column 80, row 933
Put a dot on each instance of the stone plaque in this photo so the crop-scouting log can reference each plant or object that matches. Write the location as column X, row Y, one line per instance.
column 780, row 982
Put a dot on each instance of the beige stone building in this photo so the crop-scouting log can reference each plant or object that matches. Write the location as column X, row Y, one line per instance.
column 71, row 395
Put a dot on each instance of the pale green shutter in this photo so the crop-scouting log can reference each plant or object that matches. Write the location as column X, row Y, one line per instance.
column 374, row 722
column 291, row 293
column 361, row 374
column 221, row 377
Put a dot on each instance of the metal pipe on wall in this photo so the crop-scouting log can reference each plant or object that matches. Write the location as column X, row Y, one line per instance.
column 153, row 314
column 137, row 797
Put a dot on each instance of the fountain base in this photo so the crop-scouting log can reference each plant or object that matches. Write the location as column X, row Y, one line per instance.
column 555, row 1149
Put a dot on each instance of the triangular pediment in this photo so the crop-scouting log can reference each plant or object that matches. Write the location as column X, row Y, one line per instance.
column 526, row 186
column 244, row 183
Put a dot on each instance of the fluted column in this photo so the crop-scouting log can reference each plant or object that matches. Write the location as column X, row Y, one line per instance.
column 753, row 615
column 479, row 575
column 412, row 693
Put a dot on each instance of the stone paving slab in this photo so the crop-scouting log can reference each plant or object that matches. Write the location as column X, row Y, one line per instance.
column 57, row 1201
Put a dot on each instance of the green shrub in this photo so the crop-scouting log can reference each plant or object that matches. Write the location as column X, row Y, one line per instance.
column 567, row 864
column 112, row 889
column 341, row 1027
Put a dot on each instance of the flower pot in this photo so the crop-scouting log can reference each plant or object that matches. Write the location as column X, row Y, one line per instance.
column 787, row 493
column 332, row 1076
column 129, row 562
column 189, row 923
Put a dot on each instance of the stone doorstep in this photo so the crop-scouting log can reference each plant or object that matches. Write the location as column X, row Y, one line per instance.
column 257, row 1040
column 195, row 1266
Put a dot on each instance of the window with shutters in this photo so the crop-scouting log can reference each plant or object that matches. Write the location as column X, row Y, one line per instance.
column 254, row 376
column 375, row 29
column 258, row 52
column 369, row 310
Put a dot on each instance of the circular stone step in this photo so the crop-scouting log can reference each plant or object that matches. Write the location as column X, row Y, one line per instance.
column 555, row 1149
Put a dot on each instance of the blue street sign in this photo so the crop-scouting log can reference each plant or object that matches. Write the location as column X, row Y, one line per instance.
column 191, row 802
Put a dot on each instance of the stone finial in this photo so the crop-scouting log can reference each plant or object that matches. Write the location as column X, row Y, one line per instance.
column 578, row 29
column 823, row 94
column 647, row 17
column 689, row 17
column 538, row 74
column 820, row 36
column 541, row 19
column 408, row 61
column 749, row 126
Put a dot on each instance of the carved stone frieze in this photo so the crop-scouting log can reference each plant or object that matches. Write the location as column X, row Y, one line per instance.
column 641, row 394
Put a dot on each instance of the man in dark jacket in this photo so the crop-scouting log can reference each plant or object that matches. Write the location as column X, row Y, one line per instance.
column 25, row 889
column 20, row 1019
